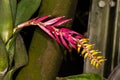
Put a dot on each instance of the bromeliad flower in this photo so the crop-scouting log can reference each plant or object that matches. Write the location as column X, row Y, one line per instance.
column 69, row 38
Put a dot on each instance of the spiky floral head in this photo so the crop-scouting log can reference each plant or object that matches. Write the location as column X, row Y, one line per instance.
column 69, row 38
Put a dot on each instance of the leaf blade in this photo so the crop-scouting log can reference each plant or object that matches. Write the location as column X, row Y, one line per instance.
column 26, row 8
column 6, row 21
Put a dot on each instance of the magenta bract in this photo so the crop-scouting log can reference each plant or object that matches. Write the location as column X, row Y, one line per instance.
column 37, row 20
column 61, row 22
column 63, row 36
column 52, row 21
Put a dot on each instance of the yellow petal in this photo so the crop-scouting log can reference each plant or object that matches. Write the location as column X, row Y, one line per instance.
column 97, row 64
column 79, row 47
column 100, row 57
column 83, row 52
column 101, row 60
column 92, row 61
column 89, row 46
column 85, row 56
column 94, row 52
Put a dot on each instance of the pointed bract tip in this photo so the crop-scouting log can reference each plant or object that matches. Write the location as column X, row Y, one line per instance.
column 37, row 20
column 52, row 21
column 62, row 22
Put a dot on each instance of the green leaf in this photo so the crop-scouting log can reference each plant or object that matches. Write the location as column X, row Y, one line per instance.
column 26, row 8
column 13, row 4
column 3, row 58
column 6, row 23
column 9, row 75
column 20, row 57
column 83, row 77
column 10, row 46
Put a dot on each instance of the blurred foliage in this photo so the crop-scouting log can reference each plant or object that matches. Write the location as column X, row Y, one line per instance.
column 82, row 77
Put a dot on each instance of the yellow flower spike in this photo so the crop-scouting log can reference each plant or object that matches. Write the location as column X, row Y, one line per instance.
column 94, row 59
